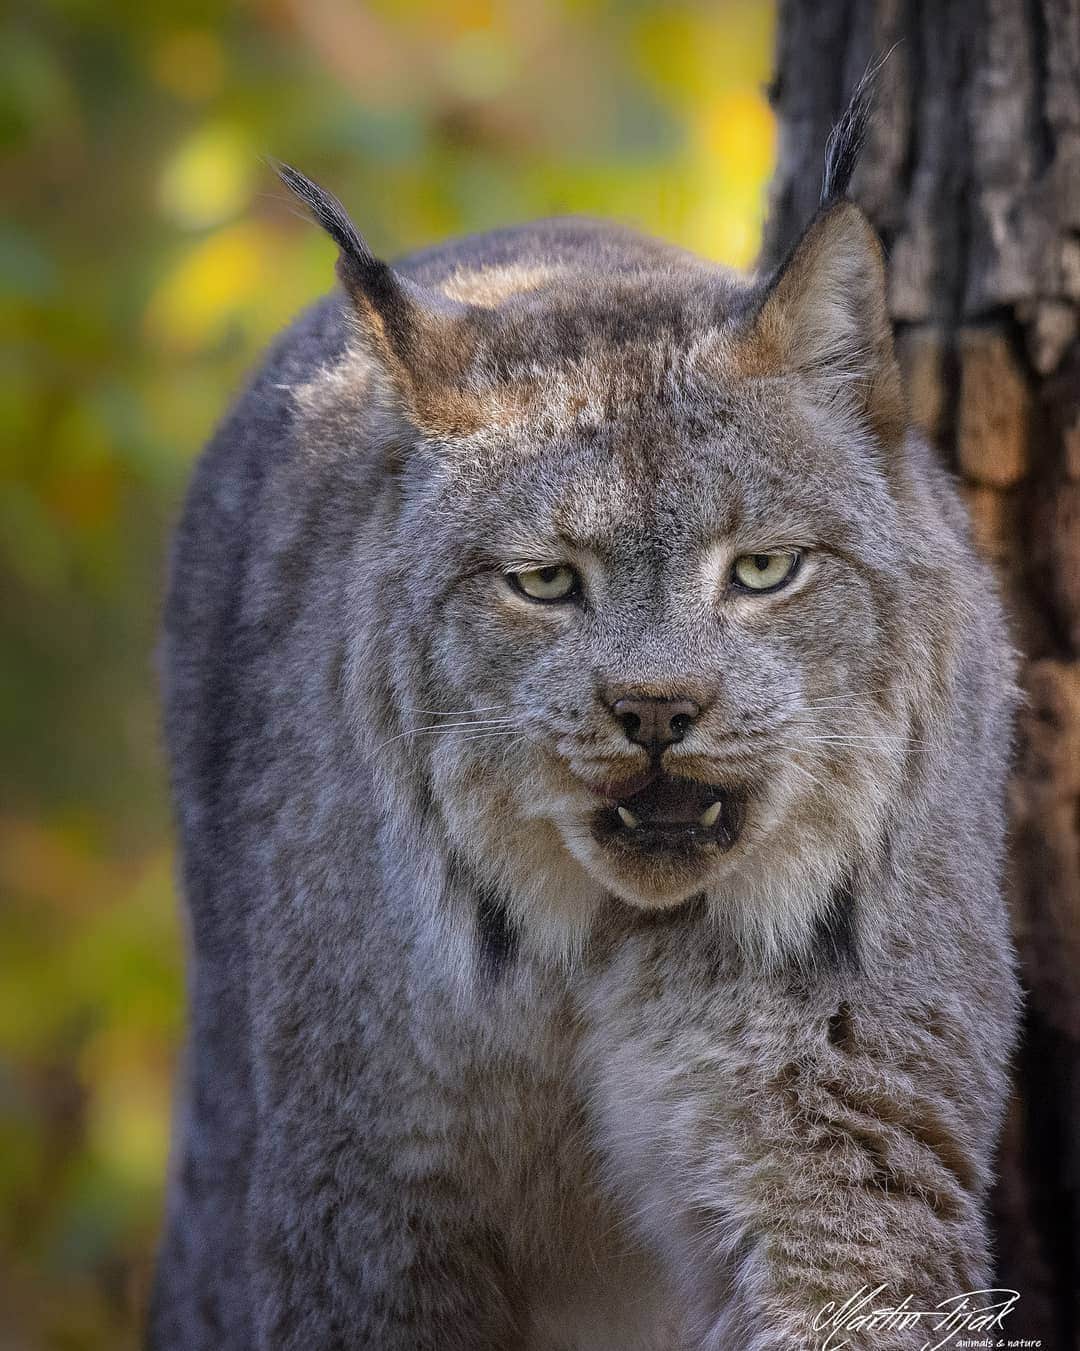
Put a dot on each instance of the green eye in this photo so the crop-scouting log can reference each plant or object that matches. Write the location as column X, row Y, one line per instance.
column 765, row 572
column 557, row 582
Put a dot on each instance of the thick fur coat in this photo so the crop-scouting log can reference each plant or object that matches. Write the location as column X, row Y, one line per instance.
column 474, row 1063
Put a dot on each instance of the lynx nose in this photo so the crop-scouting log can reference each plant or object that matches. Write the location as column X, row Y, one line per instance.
column 656, row 723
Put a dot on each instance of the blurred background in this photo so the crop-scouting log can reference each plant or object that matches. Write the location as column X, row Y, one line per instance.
column 147, row 256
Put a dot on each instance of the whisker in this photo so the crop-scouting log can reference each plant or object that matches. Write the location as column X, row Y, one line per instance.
column 830, row 790
column 855, row 740
column 829, row 706
column 435, row 729
column 848, row 697
column 833, row 706
column 453, row 726
column 491, row 736
column 457, row 712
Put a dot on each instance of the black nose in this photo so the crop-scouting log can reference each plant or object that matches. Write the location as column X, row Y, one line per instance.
column 656, row 723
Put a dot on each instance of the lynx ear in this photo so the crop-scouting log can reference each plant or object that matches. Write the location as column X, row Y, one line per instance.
column 421, row 338
column 824, row 315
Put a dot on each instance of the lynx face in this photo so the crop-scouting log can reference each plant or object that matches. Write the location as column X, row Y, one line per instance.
column 659, row 639
column 637, row 619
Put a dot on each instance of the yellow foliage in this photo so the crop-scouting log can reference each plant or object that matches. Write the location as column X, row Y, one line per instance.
column 209, row 178
column 733, row 148
column 210, row 286
column 691, row 53
column 736, row 129
column 128, row 1125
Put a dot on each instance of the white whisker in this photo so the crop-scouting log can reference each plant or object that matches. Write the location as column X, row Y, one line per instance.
column 444, row 727
column 457, row 712
column 855, row 740
column 804, row 773
column 490, row 736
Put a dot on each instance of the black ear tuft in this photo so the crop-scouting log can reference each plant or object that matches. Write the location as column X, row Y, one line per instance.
column 333, row 218
column 847, row 138
column 420, row 337
column 376, row 290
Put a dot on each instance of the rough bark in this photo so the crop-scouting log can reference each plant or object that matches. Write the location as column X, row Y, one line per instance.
column 972, row 176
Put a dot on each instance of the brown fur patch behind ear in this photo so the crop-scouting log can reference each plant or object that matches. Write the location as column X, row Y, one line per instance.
column 424, row 343
column 825, row 316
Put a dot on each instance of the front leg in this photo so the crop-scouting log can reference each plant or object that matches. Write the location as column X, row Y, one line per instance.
column 365, row 1222
column 364, row 1233
column 787, row 1141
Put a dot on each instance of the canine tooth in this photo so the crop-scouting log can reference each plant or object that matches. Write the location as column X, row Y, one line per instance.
column 628, row 818
column 711, row 815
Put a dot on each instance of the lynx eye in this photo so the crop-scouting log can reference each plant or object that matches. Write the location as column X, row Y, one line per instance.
column 765, row 572
column 557, row 582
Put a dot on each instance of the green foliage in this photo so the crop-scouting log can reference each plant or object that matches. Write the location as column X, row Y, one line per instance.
column 148, row 254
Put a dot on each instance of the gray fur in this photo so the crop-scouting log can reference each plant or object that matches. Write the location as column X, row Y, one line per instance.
column 458, row 1079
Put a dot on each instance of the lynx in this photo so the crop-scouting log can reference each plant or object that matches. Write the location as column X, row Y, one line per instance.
column 589, row 723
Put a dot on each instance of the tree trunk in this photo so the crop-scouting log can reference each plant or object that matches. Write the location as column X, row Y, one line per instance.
column 972, row 176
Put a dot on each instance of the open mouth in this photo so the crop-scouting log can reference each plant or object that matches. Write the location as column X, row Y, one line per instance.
column 671, row 814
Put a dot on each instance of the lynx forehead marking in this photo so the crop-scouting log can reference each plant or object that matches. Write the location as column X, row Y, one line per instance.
column 490, row 286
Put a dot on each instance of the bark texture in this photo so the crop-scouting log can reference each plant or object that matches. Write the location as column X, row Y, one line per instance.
column 972, row 176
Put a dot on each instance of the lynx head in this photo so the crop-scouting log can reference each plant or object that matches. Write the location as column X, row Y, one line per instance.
column 636, row 609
